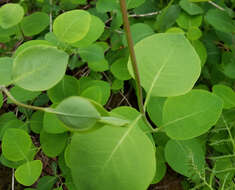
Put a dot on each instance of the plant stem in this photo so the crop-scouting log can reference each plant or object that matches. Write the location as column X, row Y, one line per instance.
column 5, row 90
column 44, row 109
column 134, row 62
column 217, row 6
column 146, row 14
column 229, row 133
column 51, row 18
column 132, row 55
column 13, row 179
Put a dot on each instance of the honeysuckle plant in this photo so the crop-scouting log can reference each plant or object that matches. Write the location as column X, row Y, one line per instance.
column 70, row 55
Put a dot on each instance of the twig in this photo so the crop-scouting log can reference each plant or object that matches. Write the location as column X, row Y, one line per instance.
column 137, row 15
column 13, row 180
column 217, row 6
column 146, row 14
column 117, row 31
column 5, row 90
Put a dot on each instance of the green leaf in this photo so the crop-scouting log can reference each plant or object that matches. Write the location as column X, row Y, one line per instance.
column 190, row 8
column 78, row 2
column 185, row 21
column 68, row 86
column 107, row 5
column 5, row 70
column 51, row 124
column 11, row 14
column 22, row 95
column 138, row 32
column 115, row 121
column 184, row 156
column 35, row 23
column 165, row 55
column 48, row 142
column 113, row 5
column 227, row 94
column 28, row 173
column 160, row 165
column 130, row 114
column 167, row 18
column 93, row 93
column 12, row 164
column 46, row 182
column 72, row 26
column 134, row 3
column 92, row 53
column 119, row 69
column 117, row 84
column 85, row 83
column 220, row 20
column 58, row 188
column 155, row 109
column 199, row 1
column 175, row 30
column 100, row 160
column 228, row 64
column 36, row 122
column 201, row 51
column 67, row 156
column 34, row 68
column 29, row 44
column 194, row 33
column 95, row 31
column 8, row 31
column 99, row 66
column 191, row 115
column 16, row 144
column 13, row 123
column 77, row 113
column 5, row 118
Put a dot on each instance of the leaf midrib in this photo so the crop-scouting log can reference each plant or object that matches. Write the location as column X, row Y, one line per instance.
column 118, row 145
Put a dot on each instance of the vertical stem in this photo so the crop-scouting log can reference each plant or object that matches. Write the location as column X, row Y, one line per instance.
column 51, row 21
column 132, row 55
column 13, row 179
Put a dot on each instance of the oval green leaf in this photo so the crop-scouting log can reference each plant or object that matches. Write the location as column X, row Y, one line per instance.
column 226, row 93
column 77, row 113
column 28, row 173
column 16, row 144
column 35, row 23
column 183, row 156
column 39, row 67
column 95, row 31
column 191, row 115
column 48, row 142
column 100, row 160
column 220, row 20
column 72, row 26
column 84, row 83
column 160, row 59
column 10, row 15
